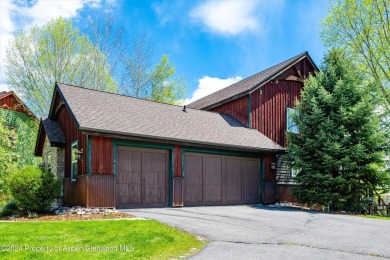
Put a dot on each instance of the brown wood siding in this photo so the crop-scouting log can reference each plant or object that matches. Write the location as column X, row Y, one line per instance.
column 285, row 194
column 269, row 192
column 177, row 161
column 9, row 102
column 268, row 111
column 177, row 191
column 101, row 190
column 90, row 191
column 270, row 117
column 72, row 133
column 237, row 108
column 75, row 192
column 101, row 155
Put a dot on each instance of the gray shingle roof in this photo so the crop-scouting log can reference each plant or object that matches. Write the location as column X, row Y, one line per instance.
column 54, row 133
column 111, row 113
column 246, row 85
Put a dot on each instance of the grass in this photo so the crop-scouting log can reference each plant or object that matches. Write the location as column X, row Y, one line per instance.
column 377, row 217
column 113, row 239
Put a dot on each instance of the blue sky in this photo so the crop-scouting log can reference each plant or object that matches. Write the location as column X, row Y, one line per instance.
column 212, row 43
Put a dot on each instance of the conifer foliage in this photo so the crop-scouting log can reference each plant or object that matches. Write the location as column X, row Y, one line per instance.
column 340, row 148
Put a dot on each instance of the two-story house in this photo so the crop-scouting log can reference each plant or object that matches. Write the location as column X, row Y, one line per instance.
column 265, row 102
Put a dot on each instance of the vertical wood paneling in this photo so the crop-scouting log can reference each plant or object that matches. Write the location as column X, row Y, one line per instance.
column 271, row 118
column 101, row 155
column 101, row 190
column 177, row 161
column 90, row 191
column 285, row 194
column 237, row 108
column 72, row 133
column 177, row 192
column 9, row 102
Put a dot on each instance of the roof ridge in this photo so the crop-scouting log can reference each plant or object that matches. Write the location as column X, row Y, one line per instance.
column 117, row 94
column 141, row 99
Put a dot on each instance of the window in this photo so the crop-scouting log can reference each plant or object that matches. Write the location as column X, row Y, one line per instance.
column 74, row 161
column 292, row 127
column 294, row 172
column 48, row 161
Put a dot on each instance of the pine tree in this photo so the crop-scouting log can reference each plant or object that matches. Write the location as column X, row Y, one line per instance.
column 340, row 148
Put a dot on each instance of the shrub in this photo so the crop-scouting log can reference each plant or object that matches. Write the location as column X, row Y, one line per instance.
column 8, row 209
column 33, row 189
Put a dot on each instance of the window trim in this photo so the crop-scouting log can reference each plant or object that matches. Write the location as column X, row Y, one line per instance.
column 72, row 160
column 48, row 162
column 294, row 172
column 288, row 126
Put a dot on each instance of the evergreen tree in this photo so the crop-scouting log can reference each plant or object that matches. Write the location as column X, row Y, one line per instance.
column 340, row 148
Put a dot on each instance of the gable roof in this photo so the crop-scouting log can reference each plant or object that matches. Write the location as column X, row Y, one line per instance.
column 102, row 112
column 54, row 135
column 246, row 85
column 5, row 94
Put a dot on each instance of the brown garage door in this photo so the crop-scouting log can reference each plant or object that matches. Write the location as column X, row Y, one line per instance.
column 141, row 177
column 220, row 180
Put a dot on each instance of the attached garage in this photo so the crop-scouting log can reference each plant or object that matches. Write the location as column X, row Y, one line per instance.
column 141, row 177
column 130, row 152
column 211, row 179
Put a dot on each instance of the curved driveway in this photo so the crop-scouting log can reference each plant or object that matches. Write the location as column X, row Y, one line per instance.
column 258, row 232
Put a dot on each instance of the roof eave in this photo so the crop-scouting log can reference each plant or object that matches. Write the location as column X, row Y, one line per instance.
column 261, row 83
column 233, row 147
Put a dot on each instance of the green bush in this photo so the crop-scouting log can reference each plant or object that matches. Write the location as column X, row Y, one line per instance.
column 8, row 209
column 33, row 189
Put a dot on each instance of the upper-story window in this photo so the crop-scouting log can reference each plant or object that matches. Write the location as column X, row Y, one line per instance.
column 74, row 161
column 292, row 126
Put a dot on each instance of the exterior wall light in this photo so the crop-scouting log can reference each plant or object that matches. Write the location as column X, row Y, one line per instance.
column 79, row 154
column 273, row 166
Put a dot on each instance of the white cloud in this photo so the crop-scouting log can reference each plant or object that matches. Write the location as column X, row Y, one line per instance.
column 208, row 85
column 4, row 87
column 230, row 17
column 14, row 16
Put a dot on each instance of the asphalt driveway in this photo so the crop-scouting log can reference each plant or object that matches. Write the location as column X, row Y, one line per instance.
column 259, row 232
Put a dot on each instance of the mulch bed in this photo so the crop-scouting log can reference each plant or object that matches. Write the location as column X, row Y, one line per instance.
column 68, row 217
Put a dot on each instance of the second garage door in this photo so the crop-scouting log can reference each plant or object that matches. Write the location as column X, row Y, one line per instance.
column 141, row 177
column 220, row 180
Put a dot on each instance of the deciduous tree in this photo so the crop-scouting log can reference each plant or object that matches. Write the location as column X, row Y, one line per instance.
column 362, row 29
column 55, row 52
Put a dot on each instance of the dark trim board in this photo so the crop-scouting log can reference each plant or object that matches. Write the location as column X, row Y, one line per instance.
column 169, row 143
column 89, row 154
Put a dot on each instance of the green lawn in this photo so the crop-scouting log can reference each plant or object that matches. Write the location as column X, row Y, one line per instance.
column 93, row 240
column 377, row 217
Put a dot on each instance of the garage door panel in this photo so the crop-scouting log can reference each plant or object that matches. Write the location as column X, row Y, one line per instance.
column 250, row 181
column 142, row 177
column 220, row 180
column 193, row 180
column 153, row 169
column 212, row 179
column 233, row 190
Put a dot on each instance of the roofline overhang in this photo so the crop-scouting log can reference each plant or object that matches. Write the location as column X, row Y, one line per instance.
column 28, row 111
column 116, row 134
column 38, row 138
column 261, row 83
column 50, row 115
